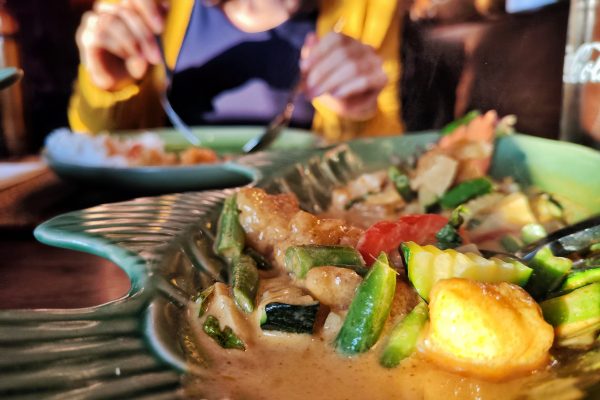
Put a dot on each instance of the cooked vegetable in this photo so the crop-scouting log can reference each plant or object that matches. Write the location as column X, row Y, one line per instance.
column 332, row 286
column 300, row 259
column 369, row 310
column 576, row 314
column 403, row 338
column 466, row 191
column 579, row 279
column 546, row 207
column 292, row 318
column 549, row 272
column 226, row 338
column 532, row 233
column 244, row 282
column 510, row 243
column 387, row 236
column 401, row 183
column 427, row 265
column 448, row 237
column 203, row 298
column 230, row 239
column 464, row 120
column 489, row 330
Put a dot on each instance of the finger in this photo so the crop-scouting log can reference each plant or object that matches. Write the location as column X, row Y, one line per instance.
column 309, row 43
column 342, row 63
column 324, row 47
column 143, row 35
column 114, row 35
column 360, row 106
column 101, row 68
column 151, row 13
column 136, row 66
column 366, row 83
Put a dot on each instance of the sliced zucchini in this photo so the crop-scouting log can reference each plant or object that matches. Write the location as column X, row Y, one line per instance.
column 466, row 191
column 291, row 318
column 575, row 314
column 579, row 279
column 299, row 259
column 548, row 274
column 403, row 338
column 369, row 309
column 427, row 264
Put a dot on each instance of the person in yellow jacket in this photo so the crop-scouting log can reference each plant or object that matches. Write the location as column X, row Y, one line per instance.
column 350, row 74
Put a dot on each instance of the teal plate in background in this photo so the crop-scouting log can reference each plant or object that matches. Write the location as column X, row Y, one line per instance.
column 229, row 140
column 135, row 347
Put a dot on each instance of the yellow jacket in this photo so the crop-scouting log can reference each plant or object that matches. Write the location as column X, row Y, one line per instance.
column 374, row 22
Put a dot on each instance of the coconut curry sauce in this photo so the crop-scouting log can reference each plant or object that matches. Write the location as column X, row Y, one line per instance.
column 306, row 367
column 392, row 297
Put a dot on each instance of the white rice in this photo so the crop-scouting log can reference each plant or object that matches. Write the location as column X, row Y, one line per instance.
column 75, row 148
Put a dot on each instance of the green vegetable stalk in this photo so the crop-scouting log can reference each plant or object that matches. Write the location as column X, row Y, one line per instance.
column 403, row 338
column 401, row 183
column 369, row 309
column 300, row 259
column 230, row 239
column 244, row 282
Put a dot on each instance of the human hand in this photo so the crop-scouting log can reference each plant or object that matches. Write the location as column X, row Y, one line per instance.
column 344, row 73
column 117, row 42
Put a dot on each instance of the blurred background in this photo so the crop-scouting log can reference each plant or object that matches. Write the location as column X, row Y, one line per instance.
column 458, row 55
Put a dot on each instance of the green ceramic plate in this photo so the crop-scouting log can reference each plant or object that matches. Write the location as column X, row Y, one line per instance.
column 134, row 347
column 225, row 140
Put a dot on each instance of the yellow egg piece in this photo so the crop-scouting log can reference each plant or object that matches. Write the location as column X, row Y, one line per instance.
column 486, row 330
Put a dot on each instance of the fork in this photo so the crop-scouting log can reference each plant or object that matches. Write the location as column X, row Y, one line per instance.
column 277, row 124
column 282, row 120
column 175, row 119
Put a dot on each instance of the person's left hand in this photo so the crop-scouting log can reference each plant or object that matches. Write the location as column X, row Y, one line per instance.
column 344, row 73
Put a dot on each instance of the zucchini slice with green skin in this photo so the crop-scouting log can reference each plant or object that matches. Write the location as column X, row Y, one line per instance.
column 300, row 259
column 427, row 264
column 369, row 309
column 579, row 279
column 466, row 191
column 403, row 339
column 548, row 274
column 291, row 318
column 244, row 282
column 575, row 314
column 230, row 238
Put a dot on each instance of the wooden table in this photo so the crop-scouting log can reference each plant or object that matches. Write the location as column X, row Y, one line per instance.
column 33, row 275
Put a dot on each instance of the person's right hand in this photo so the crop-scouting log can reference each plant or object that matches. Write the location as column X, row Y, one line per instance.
column 117, row 41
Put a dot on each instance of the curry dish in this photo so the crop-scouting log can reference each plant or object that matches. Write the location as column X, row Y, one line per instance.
column 407, row 287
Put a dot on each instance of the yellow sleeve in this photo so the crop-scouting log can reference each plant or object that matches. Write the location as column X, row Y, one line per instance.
column 377, row 23
column 135, row 106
